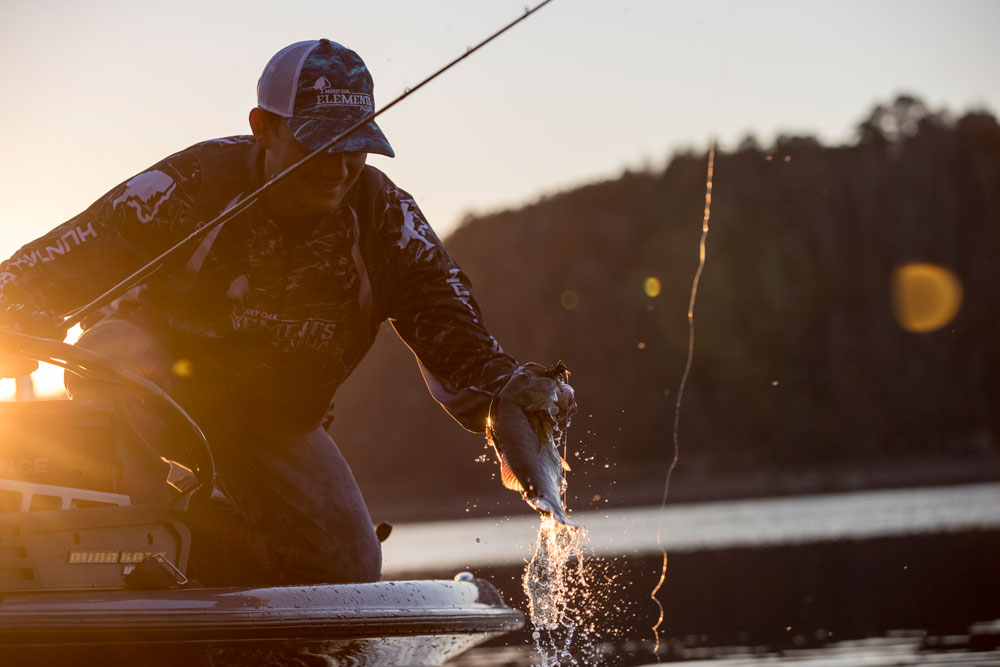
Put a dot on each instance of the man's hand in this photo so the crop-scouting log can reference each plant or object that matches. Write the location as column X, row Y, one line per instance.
column 20, row 318
column 560, row 397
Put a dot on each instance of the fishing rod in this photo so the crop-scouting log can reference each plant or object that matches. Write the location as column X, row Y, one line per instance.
column 76, row 316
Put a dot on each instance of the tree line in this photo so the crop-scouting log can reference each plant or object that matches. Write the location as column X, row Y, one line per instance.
column 799, row 360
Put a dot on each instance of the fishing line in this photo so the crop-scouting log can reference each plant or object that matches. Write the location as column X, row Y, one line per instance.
column 76, row 316
column 702, row 248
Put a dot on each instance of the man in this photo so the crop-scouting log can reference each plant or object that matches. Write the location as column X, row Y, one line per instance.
column 253, row 330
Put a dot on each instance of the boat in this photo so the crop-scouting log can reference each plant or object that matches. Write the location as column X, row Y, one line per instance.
column 383, row 623
column 87, row 578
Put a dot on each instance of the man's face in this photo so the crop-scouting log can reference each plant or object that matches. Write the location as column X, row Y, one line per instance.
column 316, row 188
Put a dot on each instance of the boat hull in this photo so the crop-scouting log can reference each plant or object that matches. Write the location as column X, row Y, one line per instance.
column 384, row 623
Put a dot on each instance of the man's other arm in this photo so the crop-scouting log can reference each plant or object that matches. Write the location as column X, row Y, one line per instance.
column 432, row 309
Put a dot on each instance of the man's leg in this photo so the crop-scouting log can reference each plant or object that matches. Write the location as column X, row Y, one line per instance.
column 300, row 492
column 298, row 516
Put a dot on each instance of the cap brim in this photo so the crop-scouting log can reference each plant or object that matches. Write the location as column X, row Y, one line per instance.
column 314, row 132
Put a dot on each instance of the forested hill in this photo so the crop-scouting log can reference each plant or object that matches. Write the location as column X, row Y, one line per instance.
column 800, row 364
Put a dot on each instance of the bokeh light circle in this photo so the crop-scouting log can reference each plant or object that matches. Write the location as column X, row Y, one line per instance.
column 925, row 297
column 652, row 287
column 569, row 299
column 183, row 368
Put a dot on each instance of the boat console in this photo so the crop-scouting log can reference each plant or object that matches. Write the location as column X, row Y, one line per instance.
column 64, row 523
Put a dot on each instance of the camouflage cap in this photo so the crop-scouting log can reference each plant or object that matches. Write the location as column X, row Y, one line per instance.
column 322, row 88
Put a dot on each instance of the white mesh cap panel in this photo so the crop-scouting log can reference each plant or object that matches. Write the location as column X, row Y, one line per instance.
column 278, row 84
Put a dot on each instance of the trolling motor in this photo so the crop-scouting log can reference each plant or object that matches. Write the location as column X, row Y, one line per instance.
column 64, row 522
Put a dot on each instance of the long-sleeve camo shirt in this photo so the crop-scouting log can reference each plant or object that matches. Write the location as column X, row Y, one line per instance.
column 278, row 318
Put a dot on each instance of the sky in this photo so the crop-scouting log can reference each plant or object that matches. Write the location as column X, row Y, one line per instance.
column 94, row 92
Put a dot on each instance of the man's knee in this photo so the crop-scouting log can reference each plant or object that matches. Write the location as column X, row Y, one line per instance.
column 365, row 558
column 240, row 554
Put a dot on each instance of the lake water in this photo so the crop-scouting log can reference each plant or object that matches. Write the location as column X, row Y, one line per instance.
column 472, row 543
column 906, row 576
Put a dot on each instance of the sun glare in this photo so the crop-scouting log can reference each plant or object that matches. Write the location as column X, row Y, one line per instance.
column 47, row 380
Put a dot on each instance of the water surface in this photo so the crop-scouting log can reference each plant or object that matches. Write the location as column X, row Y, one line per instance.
column 471, row 543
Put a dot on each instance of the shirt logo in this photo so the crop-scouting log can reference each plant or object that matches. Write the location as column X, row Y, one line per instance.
column 311, row 332
column 327, row 95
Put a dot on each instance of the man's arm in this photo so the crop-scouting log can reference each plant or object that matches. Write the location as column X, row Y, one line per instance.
column 432, row 309
column 83, row 257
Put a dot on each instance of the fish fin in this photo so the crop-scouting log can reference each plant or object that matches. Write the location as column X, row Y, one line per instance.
column 508, row 477
column 557, row 512
column 565, row 466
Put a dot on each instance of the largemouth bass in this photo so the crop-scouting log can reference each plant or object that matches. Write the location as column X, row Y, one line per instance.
column 528, row 420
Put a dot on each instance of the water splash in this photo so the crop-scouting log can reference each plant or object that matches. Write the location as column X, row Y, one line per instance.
column 575, row 599
column 557, row 583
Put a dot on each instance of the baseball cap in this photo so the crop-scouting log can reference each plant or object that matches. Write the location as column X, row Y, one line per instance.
column 322, row 88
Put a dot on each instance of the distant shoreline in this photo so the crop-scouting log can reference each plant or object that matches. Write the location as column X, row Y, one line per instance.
column 762, row 522
column 639, row 486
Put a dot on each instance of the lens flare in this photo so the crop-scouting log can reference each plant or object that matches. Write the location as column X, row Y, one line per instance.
column 183, row 368
column 925, row 297
column 569, row 299
column 652, row 287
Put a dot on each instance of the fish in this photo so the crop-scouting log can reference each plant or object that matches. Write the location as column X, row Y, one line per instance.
column 529, row 418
